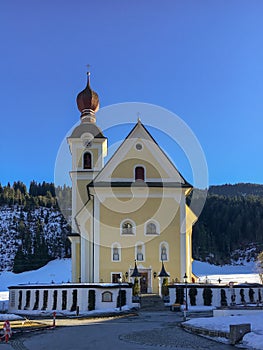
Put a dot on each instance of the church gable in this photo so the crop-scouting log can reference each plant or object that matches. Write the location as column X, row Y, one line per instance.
column 139, row 158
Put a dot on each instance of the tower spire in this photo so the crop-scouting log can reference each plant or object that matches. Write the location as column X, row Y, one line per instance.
column 88, row 102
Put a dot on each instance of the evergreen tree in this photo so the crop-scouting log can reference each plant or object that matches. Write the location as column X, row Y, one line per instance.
column 19, row 261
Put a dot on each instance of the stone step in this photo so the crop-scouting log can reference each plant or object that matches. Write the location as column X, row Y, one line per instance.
column 152, row 302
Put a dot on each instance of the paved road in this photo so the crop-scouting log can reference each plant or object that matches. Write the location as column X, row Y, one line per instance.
column 150, row 330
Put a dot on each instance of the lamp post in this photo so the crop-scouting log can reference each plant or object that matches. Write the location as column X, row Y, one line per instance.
column 186, row 304
column 120, row 280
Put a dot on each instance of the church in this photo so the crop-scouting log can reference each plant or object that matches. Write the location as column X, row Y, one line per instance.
column 129, row 213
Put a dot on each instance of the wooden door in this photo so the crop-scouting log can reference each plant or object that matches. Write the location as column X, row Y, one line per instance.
column 144, row 282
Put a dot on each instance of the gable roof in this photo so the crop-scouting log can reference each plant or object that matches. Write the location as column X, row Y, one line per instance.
column 139, row 132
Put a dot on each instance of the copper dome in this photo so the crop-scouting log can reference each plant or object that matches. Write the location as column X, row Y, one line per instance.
column 88, row 100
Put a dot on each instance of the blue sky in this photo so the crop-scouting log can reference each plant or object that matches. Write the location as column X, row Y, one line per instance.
column 199, row 59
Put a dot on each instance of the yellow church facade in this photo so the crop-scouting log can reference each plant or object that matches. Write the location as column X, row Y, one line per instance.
column 133, row 208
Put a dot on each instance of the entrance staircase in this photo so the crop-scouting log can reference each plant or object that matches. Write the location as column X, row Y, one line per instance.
column 152, row 302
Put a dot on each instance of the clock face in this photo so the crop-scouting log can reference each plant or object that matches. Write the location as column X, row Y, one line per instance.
column 87, row 140
column 87, row 143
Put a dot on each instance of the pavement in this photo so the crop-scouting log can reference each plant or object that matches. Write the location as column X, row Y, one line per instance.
column 147, row 330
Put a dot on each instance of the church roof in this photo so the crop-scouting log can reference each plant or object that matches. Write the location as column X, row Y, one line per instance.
column 91, row 128
column 139, row 184
column 139, row 131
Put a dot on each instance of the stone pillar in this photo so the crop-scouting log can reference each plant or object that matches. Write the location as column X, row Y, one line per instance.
column 237, row 331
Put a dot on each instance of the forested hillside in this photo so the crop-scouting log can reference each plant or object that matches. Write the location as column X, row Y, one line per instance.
column 240, row 190
column 32, row 229
column 230, row 227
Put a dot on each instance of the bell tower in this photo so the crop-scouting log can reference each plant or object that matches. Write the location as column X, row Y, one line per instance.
column 88, row 148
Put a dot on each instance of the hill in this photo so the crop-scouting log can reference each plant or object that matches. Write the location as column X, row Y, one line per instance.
column 33, row 229
column 237, row 190
column 230, row 227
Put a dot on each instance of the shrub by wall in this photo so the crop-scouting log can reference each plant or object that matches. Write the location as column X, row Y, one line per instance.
column 192, row 295
column 91, row 300
column 179, row 295
column 207, row 296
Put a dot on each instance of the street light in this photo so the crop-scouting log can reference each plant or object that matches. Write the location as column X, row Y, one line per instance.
column 120, row 280
column 186, row 304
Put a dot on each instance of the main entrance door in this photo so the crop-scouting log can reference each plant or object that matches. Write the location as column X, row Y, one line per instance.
column 144, row 282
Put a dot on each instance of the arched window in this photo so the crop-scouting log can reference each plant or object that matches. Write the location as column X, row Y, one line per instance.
column 87, row 160
column 127, row 227
column 164, row 251
column 140, row 251
column 152, row 228
column 106, row 297
column 116, row 252
column 139, row 173
column 116, row 255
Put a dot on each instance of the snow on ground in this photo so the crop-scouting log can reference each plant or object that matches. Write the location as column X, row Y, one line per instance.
column 10, row 317
column 226, row 273
column 60, row 271
column 253, row 339
column 57, row 271
column 204, row 268
column 231, row 273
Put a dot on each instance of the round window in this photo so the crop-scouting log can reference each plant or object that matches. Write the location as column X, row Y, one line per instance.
column 138, row 146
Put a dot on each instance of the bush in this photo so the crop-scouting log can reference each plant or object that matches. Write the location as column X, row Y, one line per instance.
column 259, row 296
column 122, row 296
column 207, row 295
column 223, row 297
column 242, row 295
column 92, row 300
column 55, row 300
column 165, row 289
column 136, row 287
column 74, row 300
column 64, row 299
column 192, row 295
column 28, row 294
column 251, row 295
column 179, row 295
column 36, row 305
column 20, row 300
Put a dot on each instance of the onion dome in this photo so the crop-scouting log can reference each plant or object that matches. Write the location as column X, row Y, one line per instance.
column 88, row 103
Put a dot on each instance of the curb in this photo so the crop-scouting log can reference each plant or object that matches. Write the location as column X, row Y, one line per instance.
column 206, row 332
